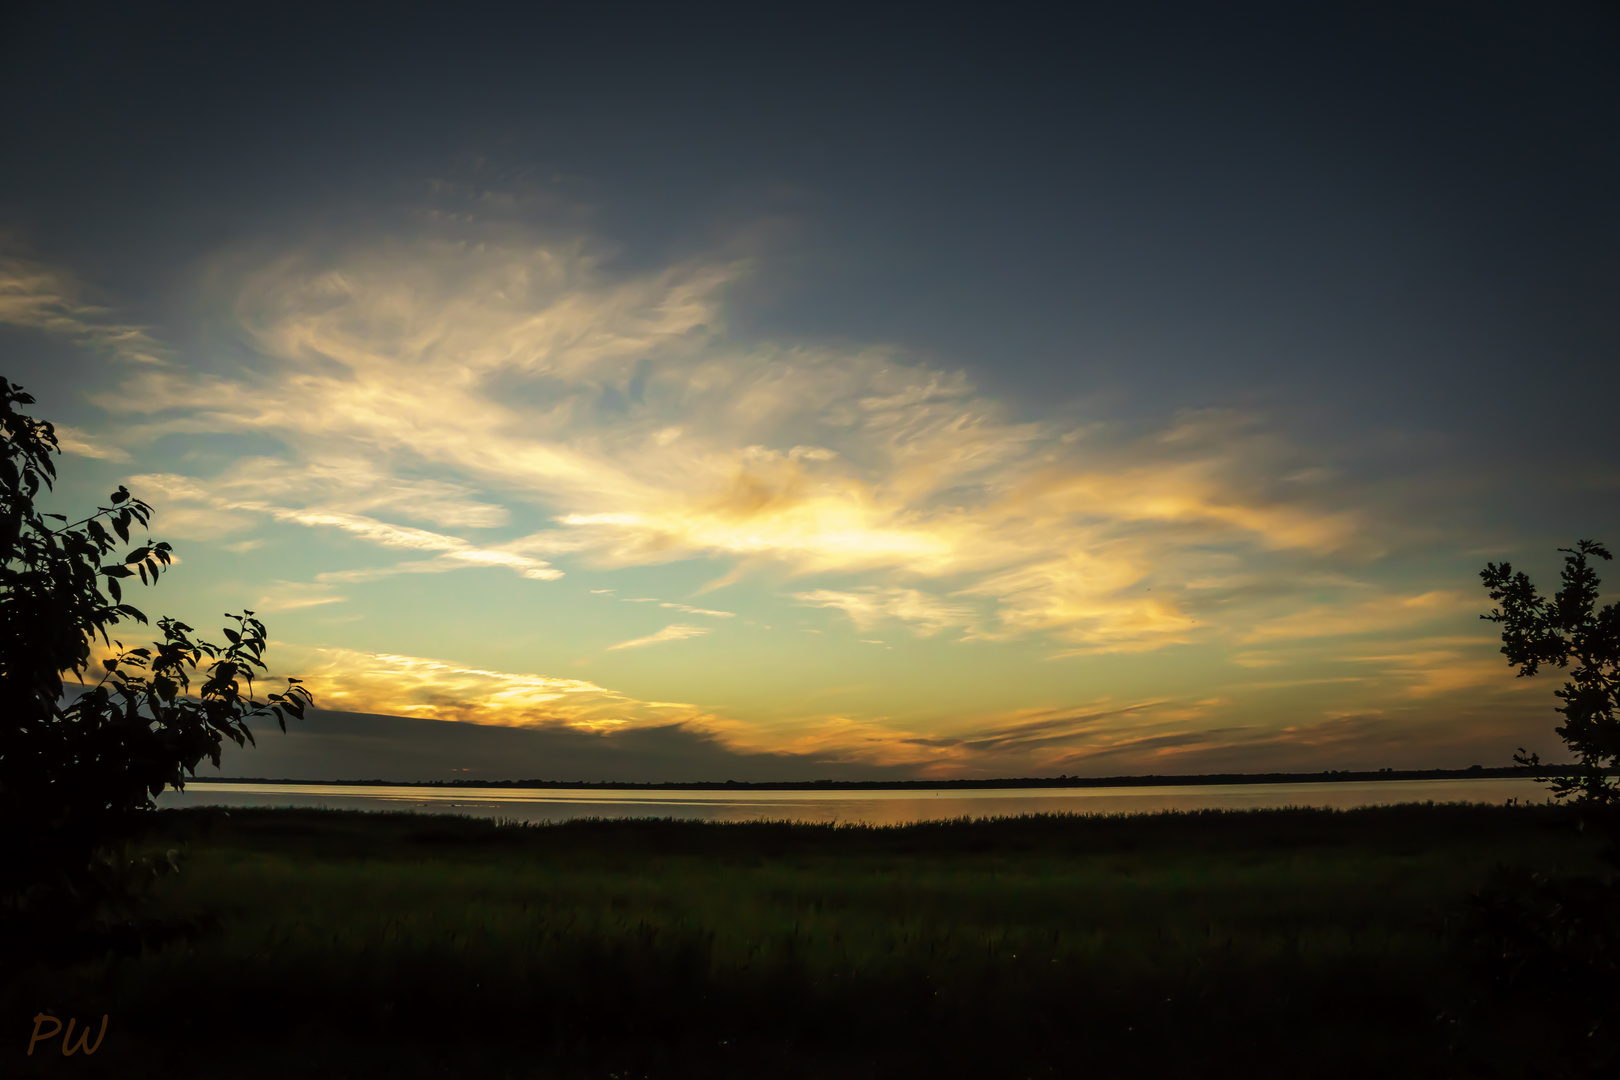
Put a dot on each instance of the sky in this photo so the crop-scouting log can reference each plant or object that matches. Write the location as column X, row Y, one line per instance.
column 697, row 392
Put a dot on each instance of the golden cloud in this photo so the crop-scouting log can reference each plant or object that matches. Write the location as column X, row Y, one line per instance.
column 351, row 680
column 442, row 382
column 1380, row 615
column 873, row 604
column 674, row 632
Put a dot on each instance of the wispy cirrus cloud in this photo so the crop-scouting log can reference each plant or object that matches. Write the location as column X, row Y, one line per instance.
column 710, row 612
column 673, row 632
column 293, row 595
column 872, row 604
column 73, row 441
column 223, row 512
column 445, row 382
column 1378, row 615
column 50, row 300
column 1437, row 666
column 672, row 605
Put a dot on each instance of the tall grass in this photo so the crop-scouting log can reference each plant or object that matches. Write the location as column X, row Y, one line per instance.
column 1294, row 943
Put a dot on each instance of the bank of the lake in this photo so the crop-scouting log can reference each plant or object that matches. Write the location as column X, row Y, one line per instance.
column 1256, row 943
column 850, row 803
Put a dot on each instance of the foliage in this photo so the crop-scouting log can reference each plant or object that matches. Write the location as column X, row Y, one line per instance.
column 1551, row 944
column 1569, row 627
column 75, row 774
column 1282, row 943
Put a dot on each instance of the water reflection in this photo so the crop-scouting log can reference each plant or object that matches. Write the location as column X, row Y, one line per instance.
column 867, row 807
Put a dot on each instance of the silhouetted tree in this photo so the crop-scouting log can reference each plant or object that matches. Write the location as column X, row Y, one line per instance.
column 75, row 775
column 1568, row 628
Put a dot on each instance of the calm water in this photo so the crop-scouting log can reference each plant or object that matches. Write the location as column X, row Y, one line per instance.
column 869, row 807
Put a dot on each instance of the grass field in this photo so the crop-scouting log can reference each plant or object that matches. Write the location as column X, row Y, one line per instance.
column 1295, row 943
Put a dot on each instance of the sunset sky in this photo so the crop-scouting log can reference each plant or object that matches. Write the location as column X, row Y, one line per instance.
column 757, row 392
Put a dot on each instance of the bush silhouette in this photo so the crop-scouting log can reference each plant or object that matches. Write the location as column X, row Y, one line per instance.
column 1551, row 943
column 1568, row 628
column 75, row 776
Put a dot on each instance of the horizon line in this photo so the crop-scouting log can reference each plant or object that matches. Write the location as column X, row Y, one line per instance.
column 1144, row 780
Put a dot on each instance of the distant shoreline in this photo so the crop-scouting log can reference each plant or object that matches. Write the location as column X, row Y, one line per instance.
column 1476, row 772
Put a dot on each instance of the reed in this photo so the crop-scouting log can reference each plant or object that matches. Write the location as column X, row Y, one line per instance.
column 1280, row 942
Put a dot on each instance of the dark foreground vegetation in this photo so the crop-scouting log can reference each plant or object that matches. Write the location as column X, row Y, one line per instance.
column 305, row 943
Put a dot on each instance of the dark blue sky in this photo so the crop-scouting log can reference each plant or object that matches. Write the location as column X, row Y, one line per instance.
column 1380, row 212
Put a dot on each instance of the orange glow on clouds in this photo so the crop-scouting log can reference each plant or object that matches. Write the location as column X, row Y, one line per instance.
column 430, row 395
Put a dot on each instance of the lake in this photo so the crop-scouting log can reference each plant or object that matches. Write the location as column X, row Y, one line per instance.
column 870, row 807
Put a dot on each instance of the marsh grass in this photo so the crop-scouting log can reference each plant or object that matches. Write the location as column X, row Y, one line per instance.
column 1270, row 943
